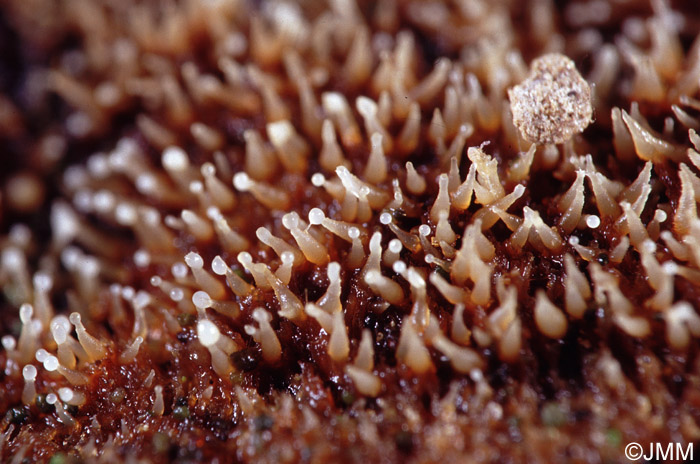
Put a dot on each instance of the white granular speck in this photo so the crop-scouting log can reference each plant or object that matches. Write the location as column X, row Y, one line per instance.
column 553, row 103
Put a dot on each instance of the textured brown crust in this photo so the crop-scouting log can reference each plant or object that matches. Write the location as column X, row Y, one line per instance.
column 271, row 231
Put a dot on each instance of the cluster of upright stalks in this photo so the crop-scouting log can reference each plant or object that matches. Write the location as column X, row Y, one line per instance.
column 280, row 210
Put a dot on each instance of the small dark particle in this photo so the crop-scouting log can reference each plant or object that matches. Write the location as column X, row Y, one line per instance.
column 404, row 441
column 240, row 273
column 72, row 409
column 43, row 406
column 602, row 259
column 181, row 412
column 590, row 316
column 443, row 273
column 263, row 422
column 347, row 398
column 16, row 415
column 398, row 214
column 186, row 319
column 117, row 395
column 220, row 427
column 246, row 359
